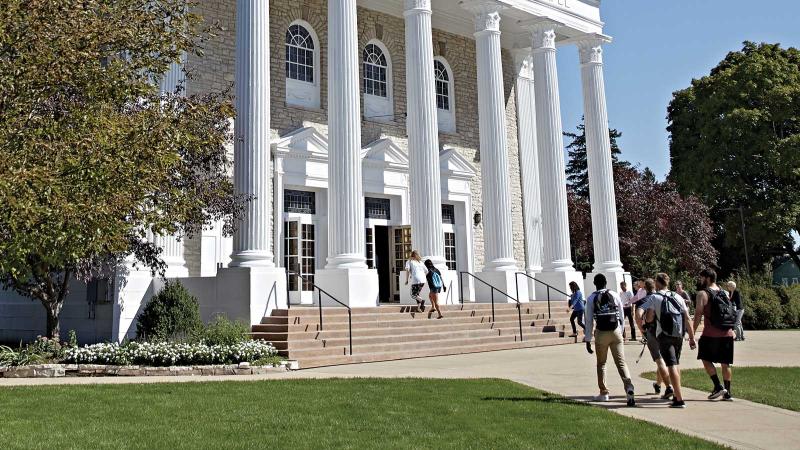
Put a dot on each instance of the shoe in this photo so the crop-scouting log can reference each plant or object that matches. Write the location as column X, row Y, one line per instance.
column 668, row 393
column 421, row 306
column 727, row 397
column 440, row 317
column 677, row 404
column 573, row 335
column 600, row 398
column 657, row 388
column 717, row 393
column 631, row 399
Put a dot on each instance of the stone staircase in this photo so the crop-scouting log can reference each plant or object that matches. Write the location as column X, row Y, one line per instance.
column 398, row 332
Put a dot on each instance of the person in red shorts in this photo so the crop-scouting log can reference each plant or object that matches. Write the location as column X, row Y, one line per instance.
column 716, row 343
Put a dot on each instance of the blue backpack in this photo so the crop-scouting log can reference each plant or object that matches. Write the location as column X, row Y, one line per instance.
column 437, row 280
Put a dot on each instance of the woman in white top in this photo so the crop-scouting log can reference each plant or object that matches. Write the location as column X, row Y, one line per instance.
column 416, row 272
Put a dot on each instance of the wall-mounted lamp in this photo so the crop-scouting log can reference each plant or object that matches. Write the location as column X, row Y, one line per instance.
column 477, row 218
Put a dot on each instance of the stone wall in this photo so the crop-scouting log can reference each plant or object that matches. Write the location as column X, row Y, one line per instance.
column 215, row 72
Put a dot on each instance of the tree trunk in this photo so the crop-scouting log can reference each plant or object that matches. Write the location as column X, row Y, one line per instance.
column 53, row 325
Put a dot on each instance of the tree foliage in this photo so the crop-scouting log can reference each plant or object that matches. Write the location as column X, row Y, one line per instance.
column 735, row 140
column 577, row 167
column 95, row 157
column 659, row 230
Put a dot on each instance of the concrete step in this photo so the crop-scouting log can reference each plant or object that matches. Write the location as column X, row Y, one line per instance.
column 297, row 311
column 383, row 317
column 359, row 357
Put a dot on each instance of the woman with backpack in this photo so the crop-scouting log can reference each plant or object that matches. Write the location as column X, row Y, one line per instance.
column 435, row 285
column 577, row 304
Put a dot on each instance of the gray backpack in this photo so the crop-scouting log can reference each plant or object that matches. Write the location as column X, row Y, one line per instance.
column 671, row 318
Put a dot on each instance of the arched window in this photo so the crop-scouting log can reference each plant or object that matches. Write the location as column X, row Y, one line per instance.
column 445, row 106
column 302, row 65
column 377, row 85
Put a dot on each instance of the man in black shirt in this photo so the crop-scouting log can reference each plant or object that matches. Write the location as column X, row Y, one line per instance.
column 736, row 298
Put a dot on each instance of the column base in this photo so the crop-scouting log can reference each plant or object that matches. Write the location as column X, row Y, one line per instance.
column 449, row 297
column 558, row 280
column 253, row 258
column 247, row 293
column 613, row 279
column 504, row 280
column 357, row 288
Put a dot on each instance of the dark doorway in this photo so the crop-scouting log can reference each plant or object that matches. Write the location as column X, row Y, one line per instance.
column 383, row 263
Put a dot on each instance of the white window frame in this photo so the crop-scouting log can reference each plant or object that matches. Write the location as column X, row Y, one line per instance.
column 303, row 93
column 446, row 117
column 376, row 108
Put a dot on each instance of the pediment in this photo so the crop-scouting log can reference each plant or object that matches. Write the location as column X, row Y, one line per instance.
column 451, row 162
column 304, row 142
column 385, row 152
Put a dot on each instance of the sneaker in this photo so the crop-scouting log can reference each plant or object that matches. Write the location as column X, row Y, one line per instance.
column 421, row 306
column 677, row 404
column 717, row 393
column 631, row 399
column 727, row 397
column 668, row 393
column 657, row 388
column 600, row 398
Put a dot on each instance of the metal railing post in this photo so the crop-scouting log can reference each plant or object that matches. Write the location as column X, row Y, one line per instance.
column 288, row 274
column 319, row 303
column 492, row 291
column 516, row 284
column 461, row 287
column 519, row 316
column 350, row 325
column 549, row 315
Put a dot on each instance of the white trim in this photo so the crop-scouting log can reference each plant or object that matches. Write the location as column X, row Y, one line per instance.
column 302, row 93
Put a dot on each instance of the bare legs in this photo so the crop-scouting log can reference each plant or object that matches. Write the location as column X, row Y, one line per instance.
column 675, row 377
column 434, row 298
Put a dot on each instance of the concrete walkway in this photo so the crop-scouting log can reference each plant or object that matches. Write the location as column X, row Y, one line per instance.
column 569, row 371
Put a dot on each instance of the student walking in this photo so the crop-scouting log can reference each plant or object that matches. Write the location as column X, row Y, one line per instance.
column 669, row 312
column 648, row 329
column 736, row 298
column 577, row 305
column 416, row 273
column 627, row 304
column 604, row 317
column 435, row 285
column 718, row 314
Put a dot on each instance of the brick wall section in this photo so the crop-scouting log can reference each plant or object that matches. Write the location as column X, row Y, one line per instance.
column 214, row 71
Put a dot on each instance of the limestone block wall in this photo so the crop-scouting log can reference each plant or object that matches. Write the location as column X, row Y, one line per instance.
column 214, row 71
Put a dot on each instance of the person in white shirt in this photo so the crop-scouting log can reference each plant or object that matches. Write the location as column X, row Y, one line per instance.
column 671, row 316
column 604, row 317
column 416, row 273
column 627, row 303
column 641, row 292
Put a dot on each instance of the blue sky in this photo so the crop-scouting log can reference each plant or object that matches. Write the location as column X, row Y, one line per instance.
column 659, row 46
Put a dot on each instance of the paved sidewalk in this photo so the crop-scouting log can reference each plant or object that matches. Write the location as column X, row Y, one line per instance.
column 569, row 371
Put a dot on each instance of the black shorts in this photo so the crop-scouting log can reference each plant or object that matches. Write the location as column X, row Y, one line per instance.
column 652, row 344
column 670, row 349
column 715, row 349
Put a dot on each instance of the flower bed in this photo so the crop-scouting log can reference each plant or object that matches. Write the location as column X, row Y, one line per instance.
column 162, row 354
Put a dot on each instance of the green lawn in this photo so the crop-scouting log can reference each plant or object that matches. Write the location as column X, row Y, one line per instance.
column 359, row 413
column 775, row 386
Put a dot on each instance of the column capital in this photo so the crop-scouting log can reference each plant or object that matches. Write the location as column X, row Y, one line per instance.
column 486, row 14
column 417, row 7
column 543, row 33
column 523, row 62
column 590, row 48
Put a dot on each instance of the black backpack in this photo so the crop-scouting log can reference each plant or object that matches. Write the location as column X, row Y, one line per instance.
column 723, row 311
column 606, row 314
column 671, row 317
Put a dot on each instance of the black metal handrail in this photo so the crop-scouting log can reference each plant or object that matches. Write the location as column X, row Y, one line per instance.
column 321, row 291
column 274, row 290
column 461, row 295
column 549, row 313
column 449, row 291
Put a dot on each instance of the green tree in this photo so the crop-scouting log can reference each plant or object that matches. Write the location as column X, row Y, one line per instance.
column 577, row 168
column 735, row 141
column 95, row 158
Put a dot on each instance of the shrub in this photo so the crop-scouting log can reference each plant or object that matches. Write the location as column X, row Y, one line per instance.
column 762, row 307
column 171, row 314
column 170, row 353
column 791, row 306
column 42, row 350
column 222, row 331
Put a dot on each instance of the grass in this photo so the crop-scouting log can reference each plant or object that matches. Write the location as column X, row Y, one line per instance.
column 774, row 386
column 352, row 413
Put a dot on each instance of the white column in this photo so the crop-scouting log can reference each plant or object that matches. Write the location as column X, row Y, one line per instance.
column 277, row 204
column 528, row 161
column 346, row 275
column 500, row 266
column 170, row 245
column 423, row 134
column 557, row 267
column 598, row 157
column 251, row 242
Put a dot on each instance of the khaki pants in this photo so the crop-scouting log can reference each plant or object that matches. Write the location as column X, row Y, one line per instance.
column 603, row 342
